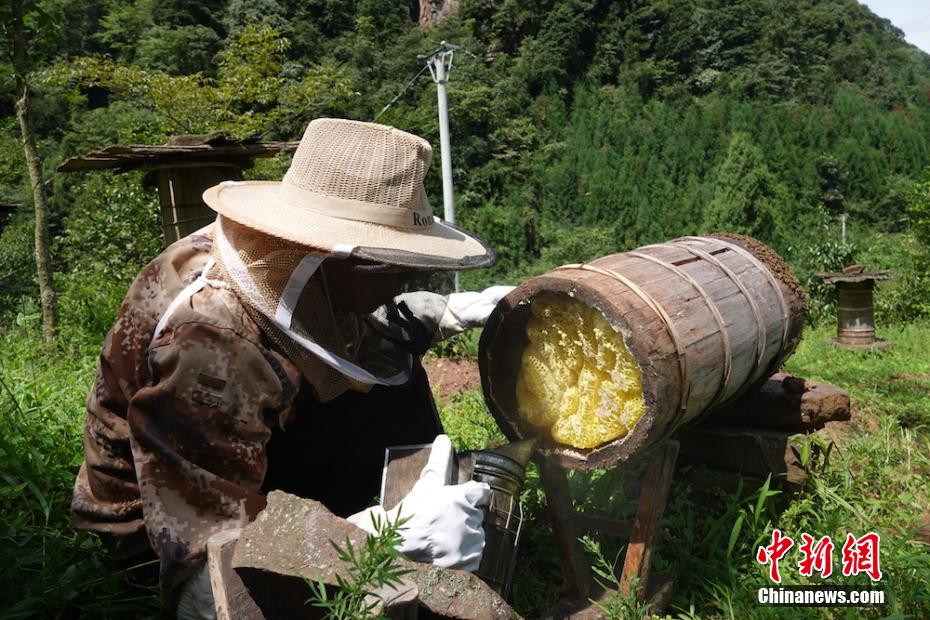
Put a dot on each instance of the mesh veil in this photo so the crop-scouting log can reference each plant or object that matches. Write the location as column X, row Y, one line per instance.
column 270, row 261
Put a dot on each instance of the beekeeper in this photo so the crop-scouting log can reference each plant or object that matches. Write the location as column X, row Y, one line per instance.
column 279, row 348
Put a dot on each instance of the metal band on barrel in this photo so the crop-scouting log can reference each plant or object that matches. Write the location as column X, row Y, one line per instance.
column 721, row 326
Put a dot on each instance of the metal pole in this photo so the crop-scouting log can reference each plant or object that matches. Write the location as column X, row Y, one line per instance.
column 448, row 205
column 437, row 64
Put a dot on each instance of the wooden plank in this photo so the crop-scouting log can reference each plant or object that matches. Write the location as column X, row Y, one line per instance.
column 230, row 596
column 788, row 403
column 754, row 452
column 659, row 593
column 120, row 155
column 576, row 573
column 652, row 501
column 603, row 525
column 180, row 192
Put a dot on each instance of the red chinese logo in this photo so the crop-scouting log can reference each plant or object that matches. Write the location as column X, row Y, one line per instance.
column 773, row 553
column 860, row 555
column 817, row 557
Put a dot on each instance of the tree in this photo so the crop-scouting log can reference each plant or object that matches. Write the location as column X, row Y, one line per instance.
column 175, row 36
column 14, row 30
column 918, row 209
column 832, row 178
column 747, row 197
column 255, row 90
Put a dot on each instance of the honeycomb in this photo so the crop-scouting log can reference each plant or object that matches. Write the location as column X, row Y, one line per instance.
column 577, row 380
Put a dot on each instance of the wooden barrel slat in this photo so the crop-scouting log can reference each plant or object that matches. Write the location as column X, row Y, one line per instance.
column 714, row 298
column 180, row 191
column 855, row 315
column 716, row 283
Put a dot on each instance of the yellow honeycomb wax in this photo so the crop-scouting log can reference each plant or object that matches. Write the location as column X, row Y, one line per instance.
column 577, row 380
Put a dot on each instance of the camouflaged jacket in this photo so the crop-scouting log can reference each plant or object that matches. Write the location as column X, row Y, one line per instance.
column 187, row 431
column 177, row 426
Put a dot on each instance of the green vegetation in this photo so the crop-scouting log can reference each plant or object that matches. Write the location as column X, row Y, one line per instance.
column 874, row 480
column 580, row 128
column 369, row 569
column 254, row 92
column 49, row 569
column 605, row 573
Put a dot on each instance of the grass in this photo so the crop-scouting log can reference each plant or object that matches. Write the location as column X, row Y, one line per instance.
column 875, row 480
column 48, row 568
column 893, row 382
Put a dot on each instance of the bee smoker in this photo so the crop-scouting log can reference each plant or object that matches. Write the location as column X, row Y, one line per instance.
column 504, row 470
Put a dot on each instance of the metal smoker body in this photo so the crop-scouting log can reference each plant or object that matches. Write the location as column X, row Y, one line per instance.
column 503, row 469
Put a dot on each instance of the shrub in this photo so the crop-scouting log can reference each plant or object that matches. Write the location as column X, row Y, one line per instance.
column 17, row 260
column 49, row 568
column 111, row 232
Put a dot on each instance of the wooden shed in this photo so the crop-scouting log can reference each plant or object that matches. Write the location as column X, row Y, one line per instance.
column 181, row 170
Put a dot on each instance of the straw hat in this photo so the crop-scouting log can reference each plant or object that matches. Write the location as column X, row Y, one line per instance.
column 354, row 188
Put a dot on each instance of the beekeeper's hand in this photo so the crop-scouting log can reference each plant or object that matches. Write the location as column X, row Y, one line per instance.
column 415, row 320
column 444, row 526
column 471, row 309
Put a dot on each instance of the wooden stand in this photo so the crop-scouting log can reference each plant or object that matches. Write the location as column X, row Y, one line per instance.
column 230, row 596
column 567, row 526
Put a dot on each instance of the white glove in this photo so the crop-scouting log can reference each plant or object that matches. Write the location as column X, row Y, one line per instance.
column 445, row 520
column 467, row 310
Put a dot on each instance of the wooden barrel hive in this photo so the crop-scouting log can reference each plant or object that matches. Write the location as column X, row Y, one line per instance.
column 702, row 319
column 180, row 191
column 855, row 319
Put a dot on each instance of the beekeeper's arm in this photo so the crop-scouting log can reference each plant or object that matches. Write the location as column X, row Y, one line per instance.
column 416, row 320
column 470, row 309
column 198, row 432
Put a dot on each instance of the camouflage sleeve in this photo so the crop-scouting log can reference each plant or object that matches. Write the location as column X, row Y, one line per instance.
column 106, row 494
column 198, row 434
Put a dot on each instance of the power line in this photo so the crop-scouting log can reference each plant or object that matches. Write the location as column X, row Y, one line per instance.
column 401, row 93
column 442, row 48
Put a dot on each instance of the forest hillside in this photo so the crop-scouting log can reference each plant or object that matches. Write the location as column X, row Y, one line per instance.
column 579, row 127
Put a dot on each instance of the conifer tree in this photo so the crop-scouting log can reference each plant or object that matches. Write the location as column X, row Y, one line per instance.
column 747, row 198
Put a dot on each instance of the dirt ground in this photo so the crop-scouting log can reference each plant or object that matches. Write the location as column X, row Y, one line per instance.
column 452, row 376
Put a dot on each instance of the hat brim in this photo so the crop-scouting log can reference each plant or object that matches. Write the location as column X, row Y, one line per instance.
column 442, row 246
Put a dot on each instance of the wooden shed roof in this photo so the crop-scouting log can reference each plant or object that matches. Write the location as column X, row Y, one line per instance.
column 179, row 150
column 862, row 276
